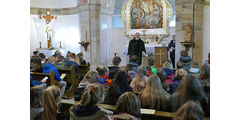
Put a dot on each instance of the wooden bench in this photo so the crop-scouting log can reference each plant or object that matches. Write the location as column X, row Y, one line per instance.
column 39, row 76
column 147, row 114
column 71, row 78
column 83, row 69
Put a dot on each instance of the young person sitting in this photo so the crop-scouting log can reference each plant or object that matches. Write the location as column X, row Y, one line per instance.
column 115, row 68
column 50, row 67
column 179, row 74
column 119, row 86
column 162, row 75
column 185, row 59
column 150, row 68
column 154, row 96
column 134, row 63
column 131, row 72
column 51, row 100
column 189, row 89
column 103, row 76
column 190, row 111
column 35, row 64
column 43, row 58
column 90, row 77
column 80, row 59
column 87, row 108
column 138, row 84
column 60, row 63
column 71, row 62
column 128, row 107
column 169, row 72
column 36, row 97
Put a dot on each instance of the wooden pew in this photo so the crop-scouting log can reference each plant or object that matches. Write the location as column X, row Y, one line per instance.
column 147, row 114
column 39, row 76
column 71, row 78
column 83, row 69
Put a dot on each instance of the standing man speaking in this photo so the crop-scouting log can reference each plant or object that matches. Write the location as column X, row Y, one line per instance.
column 136, row 47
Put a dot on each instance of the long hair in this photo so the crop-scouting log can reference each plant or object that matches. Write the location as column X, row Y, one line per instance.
column 50, row 103
column 162, row 75
column 141, row 72
column 91, row 95
column 91, row 76
column 121, row 81
column 79, row 58
column 36, row 96
column 155, row 94
column 128, row 103
column 190, row 111
column 189, row 86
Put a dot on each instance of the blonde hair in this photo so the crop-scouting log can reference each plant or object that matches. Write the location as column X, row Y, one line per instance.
column 181, row 72
column 50, row 103
column 51, row 59
column 155, row 94
column 36, row 96
column 128, row 103
column 91, row 76
column 190, row 111
column 92, row 94
column 141, row 72
column 167, row 64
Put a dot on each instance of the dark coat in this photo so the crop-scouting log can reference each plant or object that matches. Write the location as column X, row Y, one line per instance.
column 113, row 94
column 135, row 47
column 112, row 71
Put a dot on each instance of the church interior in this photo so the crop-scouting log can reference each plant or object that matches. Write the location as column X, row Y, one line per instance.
column 120, row 59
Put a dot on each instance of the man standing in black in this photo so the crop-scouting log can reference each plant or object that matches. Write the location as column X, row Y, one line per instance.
column 171, row 49
column 136, row 47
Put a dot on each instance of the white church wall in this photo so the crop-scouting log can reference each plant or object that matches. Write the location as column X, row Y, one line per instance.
column 66, row 30
column 206, row 33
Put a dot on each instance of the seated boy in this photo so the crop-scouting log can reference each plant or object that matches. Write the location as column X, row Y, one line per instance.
column 103, row 76
column 50, row 67
column 150, row 69
column 114, row 69
column 134, row 63
column 170, row 74
column 61, row 63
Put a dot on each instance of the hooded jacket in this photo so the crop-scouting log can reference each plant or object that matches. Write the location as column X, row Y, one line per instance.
column 87, row 113
column 186, row 61
column 47, row 69
column 125, row 116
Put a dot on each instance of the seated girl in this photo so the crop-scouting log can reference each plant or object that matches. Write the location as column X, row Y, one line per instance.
column 119, row 86
column 138, row 84
column 128, row 107
column 179, row 74
column 190, row 111
column 51, row 100
column 154, row 96
column 87, row 108
column 169, row 72
column 189, row 89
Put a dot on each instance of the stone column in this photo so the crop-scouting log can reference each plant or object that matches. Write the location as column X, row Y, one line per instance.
column 189, row 12
column 90, row 19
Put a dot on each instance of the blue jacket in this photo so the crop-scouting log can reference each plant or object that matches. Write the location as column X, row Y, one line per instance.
column 70, row 63
column 135, row 66
column 47, row 69
column 33, row 82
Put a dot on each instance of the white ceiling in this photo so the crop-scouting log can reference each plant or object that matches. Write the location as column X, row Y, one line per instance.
column 53, row 3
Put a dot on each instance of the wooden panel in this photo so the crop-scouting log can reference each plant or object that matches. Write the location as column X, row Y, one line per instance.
column 161, row 55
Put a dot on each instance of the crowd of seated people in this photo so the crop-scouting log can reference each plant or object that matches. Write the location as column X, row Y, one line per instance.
column 165, row 89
